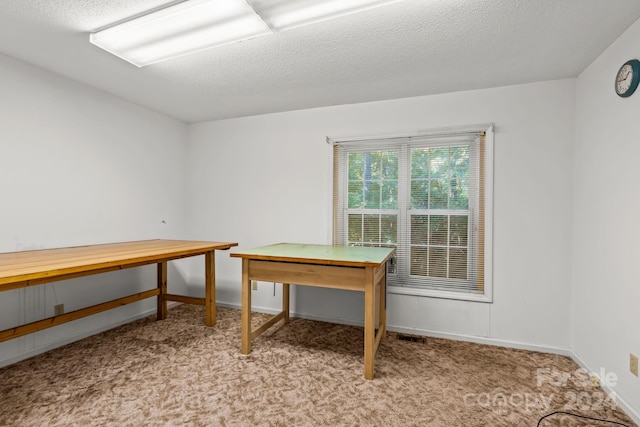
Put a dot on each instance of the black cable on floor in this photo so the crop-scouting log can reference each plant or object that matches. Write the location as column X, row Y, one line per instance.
column 580, row 416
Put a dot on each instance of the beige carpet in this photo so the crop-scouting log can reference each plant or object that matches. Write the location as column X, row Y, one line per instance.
column 178, row 372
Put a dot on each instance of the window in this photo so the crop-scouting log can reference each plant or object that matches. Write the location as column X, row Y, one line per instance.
column 426, row 195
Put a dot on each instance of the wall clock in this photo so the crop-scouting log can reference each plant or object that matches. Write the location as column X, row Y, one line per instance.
column 627, row 78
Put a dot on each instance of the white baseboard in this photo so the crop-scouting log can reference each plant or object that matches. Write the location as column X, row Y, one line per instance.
column 482, row 340
column 76, row 337
column 329, row 319
column 619, row 399
column 423, row 332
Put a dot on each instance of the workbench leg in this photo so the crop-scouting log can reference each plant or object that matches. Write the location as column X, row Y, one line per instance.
column 161, row 312
column 246, row 308
column 210, row 288
column 285, row 302
column 369, row 323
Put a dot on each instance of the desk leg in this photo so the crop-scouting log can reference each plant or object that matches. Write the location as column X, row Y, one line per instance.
column 210, row 288
column 161, row 312
column 285, row 302
column 246, row 308
column 369, row 322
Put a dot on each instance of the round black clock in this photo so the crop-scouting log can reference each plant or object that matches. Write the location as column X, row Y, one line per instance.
column 628, row 78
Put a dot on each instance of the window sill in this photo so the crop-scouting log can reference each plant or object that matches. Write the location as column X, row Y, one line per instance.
column 432, row 293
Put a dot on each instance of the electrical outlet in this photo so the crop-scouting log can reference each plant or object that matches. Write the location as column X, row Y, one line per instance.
column 633, row 364
column 254, row 285
column 58, row 309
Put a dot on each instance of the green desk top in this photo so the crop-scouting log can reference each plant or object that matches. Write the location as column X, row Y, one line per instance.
column 351, row 256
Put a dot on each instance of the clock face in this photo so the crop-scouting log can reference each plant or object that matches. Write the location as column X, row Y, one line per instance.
column 625, row 76
column 628, row 78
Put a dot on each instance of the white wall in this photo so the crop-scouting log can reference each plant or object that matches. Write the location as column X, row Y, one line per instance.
column 606, row 252
column 78, row 167
column 267, row 179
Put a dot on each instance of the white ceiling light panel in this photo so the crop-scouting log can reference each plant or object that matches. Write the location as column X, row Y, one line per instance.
column 180, row 29
column 195, row 25
column 286, row 14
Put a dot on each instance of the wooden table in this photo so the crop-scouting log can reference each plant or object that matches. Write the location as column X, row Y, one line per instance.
column 32, row 268
column 339, row 267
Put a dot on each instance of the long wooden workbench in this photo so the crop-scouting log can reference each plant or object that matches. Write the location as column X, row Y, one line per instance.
column 32, row 268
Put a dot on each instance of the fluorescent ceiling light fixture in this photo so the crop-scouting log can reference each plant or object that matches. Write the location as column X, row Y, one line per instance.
column 195, row 25
column 180, row 29
column 286, row 14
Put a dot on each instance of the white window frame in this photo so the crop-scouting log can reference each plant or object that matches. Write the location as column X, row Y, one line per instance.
column 393, row 142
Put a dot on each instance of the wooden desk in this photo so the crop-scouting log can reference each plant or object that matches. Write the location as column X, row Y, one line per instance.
column 340, row 267
column 31, row 268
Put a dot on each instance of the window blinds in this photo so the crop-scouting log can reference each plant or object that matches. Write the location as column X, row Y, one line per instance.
column 424, row 196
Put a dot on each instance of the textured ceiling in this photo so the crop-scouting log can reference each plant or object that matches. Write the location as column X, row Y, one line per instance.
column 410, row 48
